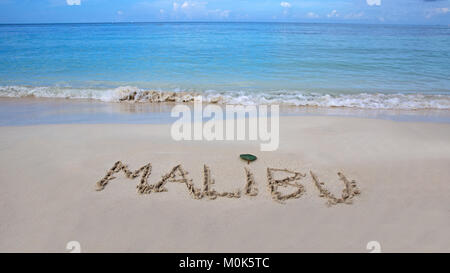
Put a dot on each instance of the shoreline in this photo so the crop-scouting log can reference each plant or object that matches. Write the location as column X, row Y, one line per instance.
column 36, row 111
column 438, row 99
column 49, row 175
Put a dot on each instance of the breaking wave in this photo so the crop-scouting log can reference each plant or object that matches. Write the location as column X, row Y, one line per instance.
column 294, row 98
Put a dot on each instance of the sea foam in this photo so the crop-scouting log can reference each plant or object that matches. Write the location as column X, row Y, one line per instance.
column 292, row 98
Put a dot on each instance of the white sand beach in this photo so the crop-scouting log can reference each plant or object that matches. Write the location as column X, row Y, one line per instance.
column 48, row 176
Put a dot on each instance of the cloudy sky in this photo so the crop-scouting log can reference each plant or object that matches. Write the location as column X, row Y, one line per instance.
column 344, row 11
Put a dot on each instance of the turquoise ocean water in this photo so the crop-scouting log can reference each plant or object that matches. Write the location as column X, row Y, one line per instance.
column 359, row 66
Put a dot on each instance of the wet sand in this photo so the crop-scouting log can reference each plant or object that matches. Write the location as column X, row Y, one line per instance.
column 38, row 111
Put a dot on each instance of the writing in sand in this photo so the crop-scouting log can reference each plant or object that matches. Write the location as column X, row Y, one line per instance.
column 275, row 186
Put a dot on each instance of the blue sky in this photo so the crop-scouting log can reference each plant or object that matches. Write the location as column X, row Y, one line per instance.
column 344, row 11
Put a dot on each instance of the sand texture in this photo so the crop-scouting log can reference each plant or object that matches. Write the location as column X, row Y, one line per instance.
column 334, row 184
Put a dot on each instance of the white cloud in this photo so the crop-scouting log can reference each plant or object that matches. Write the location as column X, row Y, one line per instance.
column 188, row 5
column 285, row 4
column 185, row 5
column 333, row 13
column 162, row 11
column 225, row 13
column 437, row 11
column 73, row 2
column 119, row 12
column 312, row 15
column 218, row 13
column 354, row 15
column 373, row 2
column 197, row 10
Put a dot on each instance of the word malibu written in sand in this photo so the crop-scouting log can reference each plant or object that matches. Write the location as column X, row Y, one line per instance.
column 278, row 188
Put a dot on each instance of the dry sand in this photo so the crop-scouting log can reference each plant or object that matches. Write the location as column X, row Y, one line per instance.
column 48, row 177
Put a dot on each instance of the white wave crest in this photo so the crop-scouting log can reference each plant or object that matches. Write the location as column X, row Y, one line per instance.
column 360, row 100
column 135, row 94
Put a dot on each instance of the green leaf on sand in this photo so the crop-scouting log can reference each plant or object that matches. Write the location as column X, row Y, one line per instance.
column 248, row 157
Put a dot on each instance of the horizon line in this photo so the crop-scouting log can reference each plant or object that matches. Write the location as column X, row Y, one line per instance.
column 248, row 22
